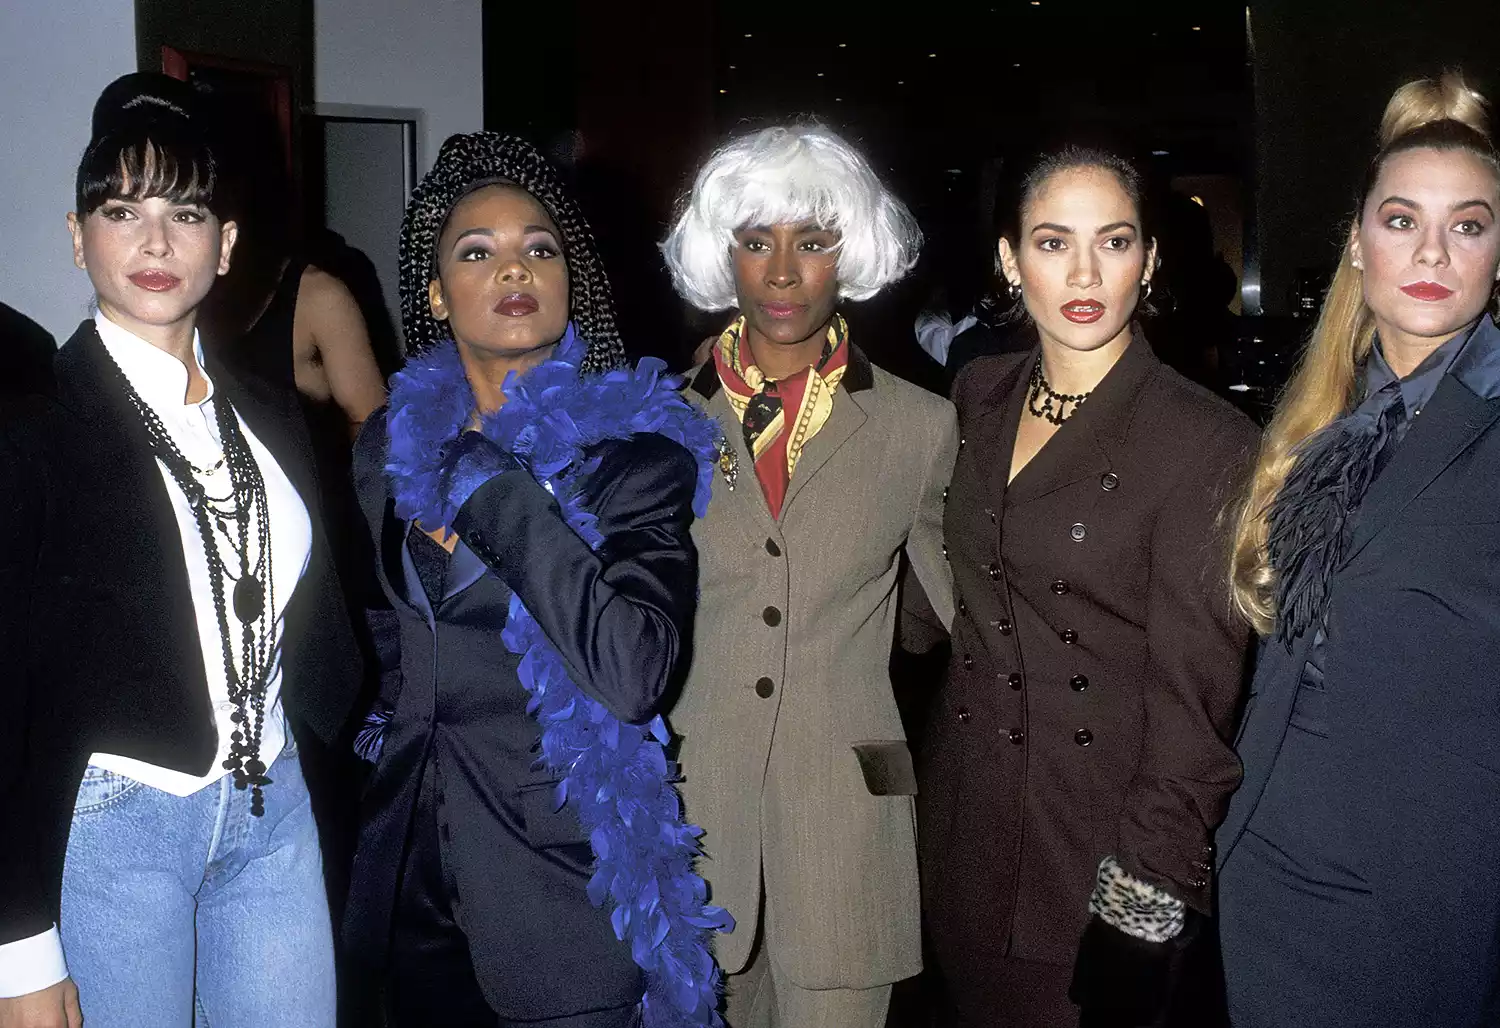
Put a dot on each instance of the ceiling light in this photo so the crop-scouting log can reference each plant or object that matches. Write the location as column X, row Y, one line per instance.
column 932, row 55
column 843, row 46
column 820, row 74
column 1159, row 153
column 747, row 35
column 1197, row 200
column 900, row 82
column 838, row 99
column 1197, row 28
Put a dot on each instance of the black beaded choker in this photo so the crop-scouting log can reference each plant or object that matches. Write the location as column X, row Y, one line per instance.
column 252, row 596
column 1041, row 390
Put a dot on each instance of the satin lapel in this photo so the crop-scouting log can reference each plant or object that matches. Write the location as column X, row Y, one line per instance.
column 392, row 554
column 846, row 419
column 1078, row 450
column 464, row 569
column 412, row 590
column 1448, row 425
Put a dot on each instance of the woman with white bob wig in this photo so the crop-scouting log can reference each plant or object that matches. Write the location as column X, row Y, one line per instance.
column 801, row 778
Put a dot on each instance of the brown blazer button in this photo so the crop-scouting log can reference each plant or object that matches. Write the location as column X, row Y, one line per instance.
column 1017, row 736
column 1015, row 681
column 945, row 551
column 772, row 616
column 1083, row 737
column 968, row 662
column 1060, row 587
column 1077, row 533
column 995, row 571
column 1068, row 636
column 962, row 609
column 764, row 688
column 1110, row 481
column 1005, row 627
column 945, row 494
column 1079, row 682
column 961, row 442
column 964, row 716
column 772, row 548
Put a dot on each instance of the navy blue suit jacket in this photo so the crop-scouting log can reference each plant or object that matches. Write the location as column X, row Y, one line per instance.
column 621, row 618
column 1412, row 666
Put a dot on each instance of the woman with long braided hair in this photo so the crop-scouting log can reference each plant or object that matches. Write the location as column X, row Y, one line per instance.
column 531, row 499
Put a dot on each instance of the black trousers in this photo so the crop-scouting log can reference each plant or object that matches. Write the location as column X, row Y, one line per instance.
column 432, row 982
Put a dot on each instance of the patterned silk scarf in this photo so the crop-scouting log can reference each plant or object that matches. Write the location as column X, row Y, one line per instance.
column 779, row 417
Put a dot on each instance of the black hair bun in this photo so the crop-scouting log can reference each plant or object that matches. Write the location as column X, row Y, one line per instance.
column 145, row 99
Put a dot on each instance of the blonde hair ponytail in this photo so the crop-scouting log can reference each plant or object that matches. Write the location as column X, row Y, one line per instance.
column 1442, row 113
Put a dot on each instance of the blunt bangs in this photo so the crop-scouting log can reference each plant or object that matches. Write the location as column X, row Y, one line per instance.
column 143, row 166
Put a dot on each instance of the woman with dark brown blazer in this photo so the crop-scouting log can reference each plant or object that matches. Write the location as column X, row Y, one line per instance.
column 1077, row 762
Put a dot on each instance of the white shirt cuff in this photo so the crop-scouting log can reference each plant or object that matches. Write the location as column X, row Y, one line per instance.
column 31, row 965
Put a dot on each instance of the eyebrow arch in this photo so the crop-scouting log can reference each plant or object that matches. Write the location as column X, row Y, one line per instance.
column 1050, row 226
column 480, row 230
column 1115, row 226
column 1474, row 203
column 1403, row 201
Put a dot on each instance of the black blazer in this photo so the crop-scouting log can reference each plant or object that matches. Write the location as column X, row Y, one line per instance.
column 621, row 619
column 1412, row 667
column 99, row 648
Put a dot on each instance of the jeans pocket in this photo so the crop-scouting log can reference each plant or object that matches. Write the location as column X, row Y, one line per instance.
column 100, row 789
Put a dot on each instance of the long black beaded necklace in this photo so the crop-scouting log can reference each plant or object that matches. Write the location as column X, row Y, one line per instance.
column 253, row 595
column 1041, row 389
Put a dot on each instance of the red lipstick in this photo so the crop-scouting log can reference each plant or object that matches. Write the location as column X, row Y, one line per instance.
column 155, row 280
column 1082, row 312
column 1428, row 291
column 783, row 310
column 517, row 305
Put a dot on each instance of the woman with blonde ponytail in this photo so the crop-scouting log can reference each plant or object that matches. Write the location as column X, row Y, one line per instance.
column 1357, row 863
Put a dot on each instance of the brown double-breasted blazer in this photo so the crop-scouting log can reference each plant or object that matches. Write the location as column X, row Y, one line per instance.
column 794, row 760
column 1096, row 663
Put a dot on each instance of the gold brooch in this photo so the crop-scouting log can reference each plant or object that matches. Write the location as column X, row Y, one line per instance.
column 729, row 463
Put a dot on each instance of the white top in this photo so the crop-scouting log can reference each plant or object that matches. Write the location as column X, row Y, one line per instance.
column 28, row 965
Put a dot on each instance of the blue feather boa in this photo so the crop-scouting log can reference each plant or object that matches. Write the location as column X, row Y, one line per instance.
column 616, row 776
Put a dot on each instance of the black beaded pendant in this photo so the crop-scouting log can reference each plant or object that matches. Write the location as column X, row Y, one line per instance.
column 249, row 599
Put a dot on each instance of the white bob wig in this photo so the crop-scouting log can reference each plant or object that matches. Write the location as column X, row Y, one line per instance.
column 786, row 175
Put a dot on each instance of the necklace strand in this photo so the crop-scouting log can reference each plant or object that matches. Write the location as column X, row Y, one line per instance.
column 1042, row 390
column 253, row 592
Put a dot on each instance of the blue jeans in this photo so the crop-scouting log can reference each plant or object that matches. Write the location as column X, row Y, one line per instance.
column 185, row 911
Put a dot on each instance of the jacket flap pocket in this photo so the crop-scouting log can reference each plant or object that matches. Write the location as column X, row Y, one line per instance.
column 887, row 768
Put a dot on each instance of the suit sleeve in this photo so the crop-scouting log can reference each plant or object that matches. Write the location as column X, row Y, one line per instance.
column 620, row 617
column 1196, row 652
column 26, row 909
column 924, row 544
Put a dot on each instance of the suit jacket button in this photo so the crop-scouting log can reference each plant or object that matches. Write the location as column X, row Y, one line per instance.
column 968, row 662
column 962, row 608
column 1060, row 587
column 1083, row 737
column 995, row 571
column 964, row 716
column 1015, row 681
column 1068, row 636
column 1110, row 481
column 1017, row 736
column 945, row 551
column 772, row 548
column 1197, row 883
column 772, row 616
column 1077, row 533
column 764, row 688
column 945, row 494
column 1079, row 682
column 1005, row 627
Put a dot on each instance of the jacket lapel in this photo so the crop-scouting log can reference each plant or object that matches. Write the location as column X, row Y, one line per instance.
column 1448, row 425
column 1080, row 448
column 847, row 418
column 746, row 498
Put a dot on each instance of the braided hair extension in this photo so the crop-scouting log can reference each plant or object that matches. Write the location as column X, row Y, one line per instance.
column 466, row 162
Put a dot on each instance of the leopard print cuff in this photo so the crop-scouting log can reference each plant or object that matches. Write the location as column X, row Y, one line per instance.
column 1134, row 907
